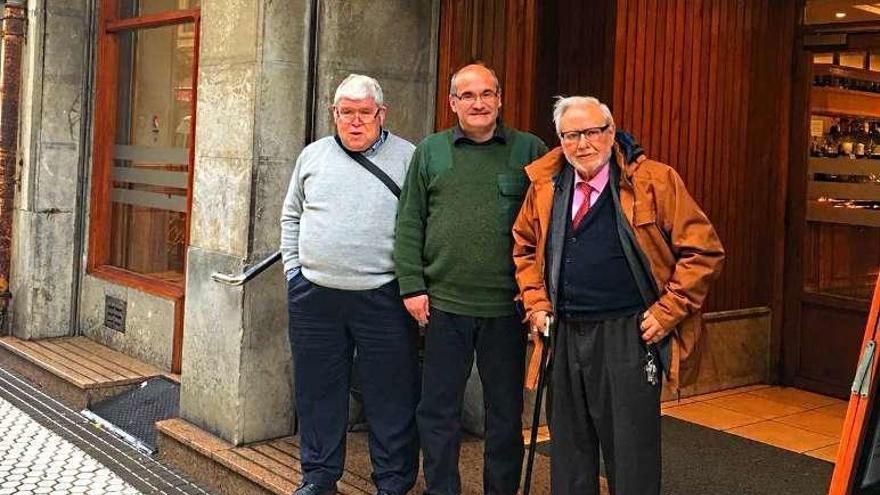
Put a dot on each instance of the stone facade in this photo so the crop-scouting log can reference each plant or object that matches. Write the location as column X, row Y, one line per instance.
column 251, row 124
column 49, row 197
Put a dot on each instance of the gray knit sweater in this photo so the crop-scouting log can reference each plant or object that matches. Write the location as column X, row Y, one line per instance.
column 337, row 223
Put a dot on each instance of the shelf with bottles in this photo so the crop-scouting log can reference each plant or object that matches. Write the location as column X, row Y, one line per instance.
column 845, row 91
column 846, row 78
column 844, row 137
column 843, row 183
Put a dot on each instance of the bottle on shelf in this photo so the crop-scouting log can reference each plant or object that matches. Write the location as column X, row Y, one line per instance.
column 817, row 146
column 847, row 139
column 832, row 140
column 862, row 137
column 875, row 140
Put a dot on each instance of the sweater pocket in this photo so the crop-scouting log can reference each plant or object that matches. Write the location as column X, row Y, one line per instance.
column 511, row 190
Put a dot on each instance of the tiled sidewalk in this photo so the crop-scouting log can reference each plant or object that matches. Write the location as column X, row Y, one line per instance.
column 45, row 447
column 34, row 460
column 784, row 417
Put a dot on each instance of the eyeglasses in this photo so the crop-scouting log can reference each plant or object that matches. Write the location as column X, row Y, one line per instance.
column 348, row 115
column 488, row 97
column 592, row 134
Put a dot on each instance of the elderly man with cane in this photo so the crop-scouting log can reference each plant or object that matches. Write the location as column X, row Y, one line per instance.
column 611, row 244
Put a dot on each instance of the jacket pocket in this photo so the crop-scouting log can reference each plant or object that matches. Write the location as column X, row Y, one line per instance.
column 644, row 215
column 511, row 190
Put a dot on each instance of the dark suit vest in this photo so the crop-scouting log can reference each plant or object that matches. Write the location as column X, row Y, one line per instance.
column 596, row 280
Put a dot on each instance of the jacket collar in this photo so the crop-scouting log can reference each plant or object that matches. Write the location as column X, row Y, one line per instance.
column 626, row 151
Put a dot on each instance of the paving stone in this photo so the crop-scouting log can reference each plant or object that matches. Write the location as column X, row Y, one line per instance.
column 38, row 455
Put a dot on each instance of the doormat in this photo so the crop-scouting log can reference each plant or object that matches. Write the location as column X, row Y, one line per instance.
column 702, row 461
column 133, row 414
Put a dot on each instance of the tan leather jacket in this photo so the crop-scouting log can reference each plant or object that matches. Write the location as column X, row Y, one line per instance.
column 674, row 234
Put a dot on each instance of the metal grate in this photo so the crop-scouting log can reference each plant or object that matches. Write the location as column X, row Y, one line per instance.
column 114, row 313
column 135, row 412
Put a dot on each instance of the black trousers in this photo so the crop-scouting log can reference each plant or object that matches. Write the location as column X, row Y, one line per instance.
column 326, row 326
column 601, row 397
column 450, row 343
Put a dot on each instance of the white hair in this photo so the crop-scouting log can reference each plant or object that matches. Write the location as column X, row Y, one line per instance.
column 359, row 87
column 563, row 103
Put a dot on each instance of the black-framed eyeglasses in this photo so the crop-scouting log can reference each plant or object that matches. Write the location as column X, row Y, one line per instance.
column 487, row 96
column 592, row 134
column 348, row 115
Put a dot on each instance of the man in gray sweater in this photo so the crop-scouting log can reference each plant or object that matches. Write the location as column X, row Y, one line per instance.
column 337, row 236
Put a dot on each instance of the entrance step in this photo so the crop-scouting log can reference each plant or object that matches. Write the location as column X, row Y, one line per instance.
column 75, row 370
column 262, row 468
column 273, row 467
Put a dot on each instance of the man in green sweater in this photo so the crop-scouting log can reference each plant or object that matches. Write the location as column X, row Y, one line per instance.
column 452, row 251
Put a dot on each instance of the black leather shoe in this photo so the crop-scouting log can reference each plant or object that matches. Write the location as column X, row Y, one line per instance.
column 314, row 489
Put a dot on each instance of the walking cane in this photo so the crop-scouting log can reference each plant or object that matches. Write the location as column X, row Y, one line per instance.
column 541, row 372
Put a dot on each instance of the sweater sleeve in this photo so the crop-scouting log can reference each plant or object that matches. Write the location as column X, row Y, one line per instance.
column 290, row 215
column 539, row 149
column 409, row 240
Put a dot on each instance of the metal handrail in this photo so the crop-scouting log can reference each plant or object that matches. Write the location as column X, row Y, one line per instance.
column 249, row 274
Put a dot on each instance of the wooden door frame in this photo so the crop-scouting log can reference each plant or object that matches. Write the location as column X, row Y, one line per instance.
column 795, row 209
column 106, row 80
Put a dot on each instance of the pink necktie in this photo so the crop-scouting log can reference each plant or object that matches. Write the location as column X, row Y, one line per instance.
column 585, row 189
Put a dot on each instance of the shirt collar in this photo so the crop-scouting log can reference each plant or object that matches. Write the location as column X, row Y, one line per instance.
column 598, row 182
column 374, row 148
column 499, row 136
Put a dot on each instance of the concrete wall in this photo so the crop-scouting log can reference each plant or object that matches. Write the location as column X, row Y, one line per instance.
column 250, row 127
column 149, row 321
column 396, row 42
column 736, row 352
column 53, row 103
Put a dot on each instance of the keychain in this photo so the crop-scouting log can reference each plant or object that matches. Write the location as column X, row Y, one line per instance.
column 651, row 368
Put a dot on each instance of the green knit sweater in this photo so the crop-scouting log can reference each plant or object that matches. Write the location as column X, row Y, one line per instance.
column 454, row 219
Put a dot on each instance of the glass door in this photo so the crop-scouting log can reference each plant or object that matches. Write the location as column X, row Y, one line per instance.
column 841, row 243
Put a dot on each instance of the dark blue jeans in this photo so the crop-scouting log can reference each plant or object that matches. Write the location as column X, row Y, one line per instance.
column 326, row 327
column 450, row 343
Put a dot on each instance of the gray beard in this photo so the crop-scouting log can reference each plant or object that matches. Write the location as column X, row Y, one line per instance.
column 588, row 174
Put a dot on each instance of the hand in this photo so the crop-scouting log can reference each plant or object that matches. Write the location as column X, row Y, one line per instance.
column 652, row 331
column 418, row 307
column 537, row 324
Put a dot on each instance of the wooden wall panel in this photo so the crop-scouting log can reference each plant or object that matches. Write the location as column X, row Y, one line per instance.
column 576, row 47
column 498, row 33
column 705, row 86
